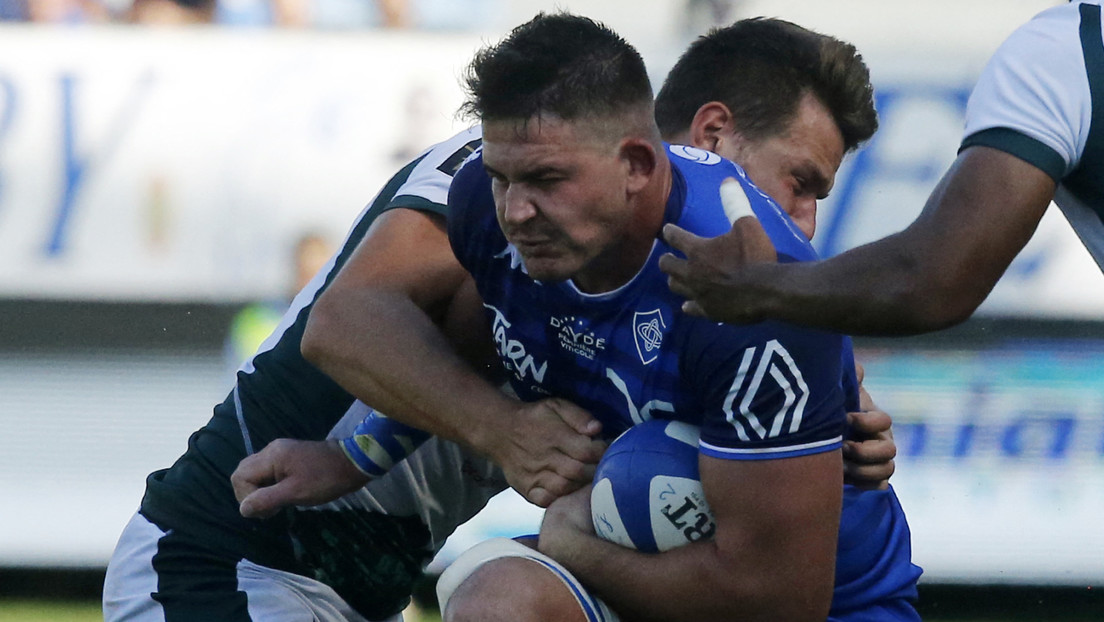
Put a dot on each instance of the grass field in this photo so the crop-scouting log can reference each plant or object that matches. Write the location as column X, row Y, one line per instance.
column 45, row 596
column 44, row 611
column 31, row 610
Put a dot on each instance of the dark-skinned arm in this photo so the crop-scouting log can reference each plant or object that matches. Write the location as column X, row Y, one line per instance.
column 930, row 276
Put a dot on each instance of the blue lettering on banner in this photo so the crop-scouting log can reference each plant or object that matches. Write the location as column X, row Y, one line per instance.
column 870, row 164
column 8, row 103
column 76, row 167
column 1013, row 403
column 1056, row 432
column 1024, row 437
column 73, row 169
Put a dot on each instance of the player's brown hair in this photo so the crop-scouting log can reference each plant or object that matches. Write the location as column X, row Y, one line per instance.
column 761, row 68
column 559, row 64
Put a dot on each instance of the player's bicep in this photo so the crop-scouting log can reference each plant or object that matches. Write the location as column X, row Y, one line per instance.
column 468, row 330
column 976, row 221
column 404, row 252
column 779, row 518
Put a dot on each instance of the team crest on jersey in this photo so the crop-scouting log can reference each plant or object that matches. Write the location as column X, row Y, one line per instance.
column 648, row 333
column 695, row 155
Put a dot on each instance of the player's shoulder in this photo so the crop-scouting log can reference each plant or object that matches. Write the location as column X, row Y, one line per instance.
column 701, row 173
column 470, row 183
column 1050, row 43
column 448, row 155
column 472, row 227
column 1036, row 85
column 714, row 341
column 424, row 182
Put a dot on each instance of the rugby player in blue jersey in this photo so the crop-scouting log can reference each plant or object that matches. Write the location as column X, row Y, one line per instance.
column 557, row 220
column 188, row 553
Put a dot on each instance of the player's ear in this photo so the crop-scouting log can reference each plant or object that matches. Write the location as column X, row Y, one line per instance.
column 711, row 126
column 641, row 160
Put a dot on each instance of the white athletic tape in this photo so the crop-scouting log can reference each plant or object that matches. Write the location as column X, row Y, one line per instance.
column 496, row 548
column 735, row 200
column 473, row 558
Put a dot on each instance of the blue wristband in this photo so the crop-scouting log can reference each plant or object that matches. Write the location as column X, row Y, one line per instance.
column 378, row 443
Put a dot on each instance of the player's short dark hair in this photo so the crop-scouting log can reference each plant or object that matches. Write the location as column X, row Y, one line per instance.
column 761, row 68
column 560, row 64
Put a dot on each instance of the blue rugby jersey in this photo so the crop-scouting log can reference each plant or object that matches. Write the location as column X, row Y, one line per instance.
column 763, row 391
column 875, row 576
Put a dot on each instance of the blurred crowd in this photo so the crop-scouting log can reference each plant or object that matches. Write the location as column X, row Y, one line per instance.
column 280, row 13
column 333, row 14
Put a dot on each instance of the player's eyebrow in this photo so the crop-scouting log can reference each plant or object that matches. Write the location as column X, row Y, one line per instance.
column 815, row 180
column 525, row 175
column 541, row 172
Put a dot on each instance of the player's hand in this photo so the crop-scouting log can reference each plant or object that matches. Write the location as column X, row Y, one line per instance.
column 550, row 449
column 868, row 455
column 869, row 452
column 565, row 523
column 709, row 276
column 293, row 472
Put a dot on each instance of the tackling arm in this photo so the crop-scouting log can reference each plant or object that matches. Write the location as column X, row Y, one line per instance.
column 932, row 275
column 374, row 332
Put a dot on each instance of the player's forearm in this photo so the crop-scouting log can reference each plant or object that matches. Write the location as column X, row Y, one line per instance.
column 693, row 582
column 932, row 275
column 878, row 289
column 771, row 557
column 400, row 364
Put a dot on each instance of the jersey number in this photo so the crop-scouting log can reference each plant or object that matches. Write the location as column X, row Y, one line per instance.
column 774, row 372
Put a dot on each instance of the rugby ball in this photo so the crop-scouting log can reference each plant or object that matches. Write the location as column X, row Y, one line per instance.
column 647, row 494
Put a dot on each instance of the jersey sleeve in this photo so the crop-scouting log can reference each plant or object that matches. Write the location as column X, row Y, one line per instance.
column 1032, row 100
column 770, row 390
column 472, row 227
column 790, row 243
column 849, row 381
column 698, row 178
column 426, row 185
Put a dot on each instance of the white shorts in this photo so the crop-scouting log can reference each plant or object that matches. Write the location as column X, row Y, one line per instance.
column 133, row 589
column 498, row 548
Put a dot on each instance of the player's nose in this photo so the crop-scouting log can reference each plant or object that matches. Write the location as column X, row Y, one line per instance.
column 516, row 205
column 804, row 215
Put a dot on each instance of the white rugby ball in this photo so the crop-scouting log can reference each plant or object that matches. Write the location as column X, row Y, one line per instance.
column 647, row 493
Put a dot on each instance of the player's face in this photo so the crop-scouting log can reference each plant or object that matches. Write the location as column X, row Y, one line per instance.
column 559, row 195
column 797, row 167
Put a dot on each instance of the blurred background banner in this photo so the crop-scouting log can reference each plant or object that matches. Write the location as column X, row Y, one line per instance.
column 1001, row 455
column 153, row 182
column 160, row 165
